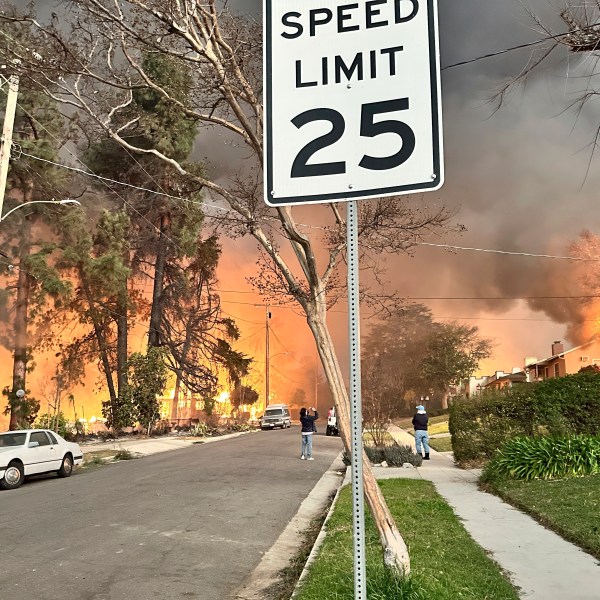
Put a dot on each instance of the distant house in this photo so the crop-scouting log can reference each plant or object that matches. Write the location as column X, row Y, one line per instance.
column 500, row 379
column 564, row 362
column 506, row 380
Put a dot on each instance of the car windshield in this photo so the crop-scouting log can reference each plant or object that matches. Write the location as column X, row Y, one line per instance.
column 12, row 439
column 274, row 412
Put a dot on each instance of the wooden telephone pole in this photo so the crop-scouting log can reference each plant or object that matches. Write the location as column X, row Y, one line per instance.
column 7, row 133
column 267, row 374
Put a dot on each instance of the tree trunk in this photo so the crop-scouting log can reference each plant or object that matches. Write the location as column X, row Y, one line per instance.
column 395, row 552
column 175, row 406
column 20, row 348
column 102, row 344
column 122, row 332
column 445, row 400
column 154, row 340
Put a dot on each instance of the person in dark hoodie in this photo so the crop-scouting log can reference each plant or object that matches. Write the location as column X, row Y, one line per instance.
column 308, row 429
column 420, row 423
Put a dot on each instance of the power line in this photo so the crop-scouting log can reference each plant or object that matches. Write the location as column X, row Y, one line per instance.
column 582, row 297
column 521, row 46
column 221, row 208
column 512, row 319
column 106, row 184
column 163, row 194
column 279, row 341
column 105, row 179
column 491, row 251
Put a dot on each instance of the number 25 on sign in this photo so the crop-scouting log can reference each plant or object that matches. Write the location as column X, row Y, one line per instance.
column 352, row 99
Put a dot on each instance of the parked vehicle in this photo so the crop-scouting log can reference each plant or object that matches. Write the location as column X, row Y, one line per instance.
column 32, row 451
column 332, row 426
column 276, row 415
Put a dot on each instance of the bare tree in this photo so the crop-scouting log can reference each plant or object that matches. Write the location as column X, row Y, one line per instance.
column 581, row 35
column 96, row 69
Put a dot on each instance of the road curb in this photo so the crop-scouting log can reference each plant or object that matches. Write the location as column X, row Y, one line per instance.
column 119, row 444
column 278, row 557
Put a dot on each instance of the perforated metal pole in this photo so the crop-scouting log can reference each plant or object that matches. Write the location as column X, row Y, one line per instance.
column 358, row 510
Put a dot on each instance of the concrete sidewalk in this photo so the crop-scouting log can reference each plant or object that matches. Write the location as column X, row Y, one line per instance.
column 541, row 563
column 147, row 446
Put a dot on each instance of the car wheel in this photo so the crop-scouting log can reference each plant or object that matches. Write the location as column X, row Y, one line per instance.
column 67, row 466
column 13, row 476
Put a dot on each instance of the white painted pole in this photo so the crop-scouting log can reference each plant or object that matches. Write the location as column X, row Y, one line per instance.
column 358, row 508
column 7, row 133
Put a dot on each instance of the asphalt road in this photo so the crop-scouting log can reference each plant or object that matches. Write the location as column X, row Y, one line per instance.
column 186, row 524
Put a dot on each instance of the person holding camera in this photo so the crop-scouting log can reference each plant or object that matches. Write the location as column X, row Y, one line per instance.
column 308, row 428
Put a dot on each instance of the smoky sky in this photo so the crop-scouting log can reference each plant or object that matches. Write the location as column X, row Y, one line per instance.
column 516, row 179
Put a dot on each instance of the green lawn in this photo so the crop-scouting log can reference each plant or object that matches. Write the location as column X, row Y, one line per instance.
column 441, row 444
column 437, row 424
column 446, row 563
column 368, row 437
column 571, row 507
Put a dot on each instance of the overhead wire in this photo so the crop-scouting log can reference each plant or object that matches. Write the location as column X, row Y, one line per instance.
column 162, row 193
column 508, row 252
column 107, row 180
column 26, row 112
column 521, row 46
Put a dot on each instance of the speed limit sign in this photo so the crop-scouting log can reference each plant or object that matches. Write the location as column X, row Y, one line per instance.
column 352, row 99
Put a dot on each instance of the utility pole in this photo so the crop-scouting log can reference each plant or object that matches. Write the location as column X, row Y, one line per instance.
column 268, row 316
column 7, row 133
column 317, row 380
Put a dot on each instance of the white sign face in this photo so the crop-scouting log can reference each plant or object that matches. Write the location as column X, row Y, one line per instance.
column 353, row 106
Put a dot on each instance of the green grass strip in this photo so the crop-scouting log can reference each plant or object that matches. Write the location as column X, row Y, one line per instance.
column 406, row 422
column 441, row 444
column 571, row 507
column 446, row 563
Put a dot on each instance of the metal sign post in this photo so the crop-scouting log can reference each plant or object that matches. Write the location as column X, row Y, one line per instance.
column 358, row 510
column 352, row 110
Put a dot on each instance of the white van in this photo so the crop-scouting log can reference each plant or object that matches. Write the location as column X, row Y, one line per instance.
column 276, row 415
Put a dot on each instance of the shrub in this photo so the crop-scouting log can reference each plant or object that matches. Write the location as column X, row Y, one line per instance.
column 561, row 406
column 93, row 460
column 240, row 427
column 57, row 422
column 161, row 428
column 396, row 455
column 550, row 457
column 203, row 430
column 124, row 455
column 375, row 454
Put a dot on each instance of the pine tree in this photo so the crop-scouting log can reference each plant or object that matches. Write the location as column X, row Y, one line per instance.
column 37, row 287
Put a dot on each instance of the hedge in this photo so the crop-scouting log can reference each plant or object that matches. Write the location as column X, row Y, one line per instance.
column 561, row 406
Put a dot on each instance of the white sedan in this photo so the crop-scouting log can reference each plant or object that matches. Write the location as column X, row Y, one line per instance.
column 32, row 451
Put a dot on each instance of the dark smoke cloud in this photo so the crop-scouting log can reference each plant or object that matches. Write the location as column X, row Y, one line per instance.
column 516, row 177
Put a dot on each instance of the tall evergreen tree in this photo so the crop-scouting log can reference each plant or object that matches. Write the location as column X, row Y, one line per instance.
column 32, row 284
column 93, row 257
column 166, row 236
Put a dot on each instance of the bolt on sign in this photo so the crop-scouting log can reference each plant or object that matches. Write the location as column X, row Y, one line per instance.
column 353, row 106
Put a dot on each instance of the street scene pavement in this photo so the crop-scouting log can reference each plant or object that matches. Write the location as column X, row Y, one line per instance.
column 191, row 523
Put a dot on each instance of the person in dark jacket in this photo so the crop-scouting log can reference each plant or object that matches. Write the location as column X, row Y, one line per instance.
column 308, row 429
column 420, row 423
